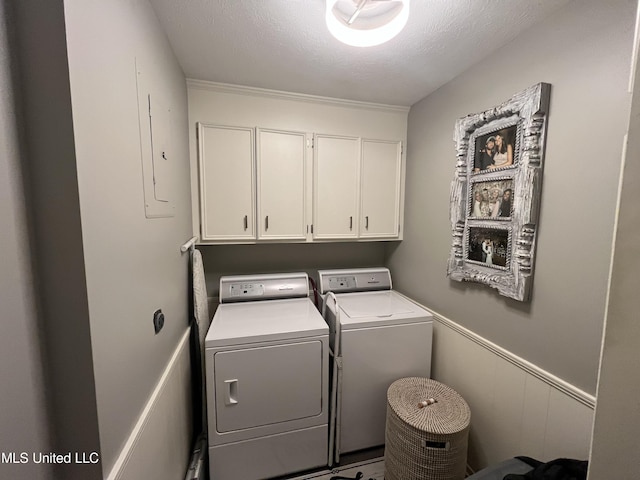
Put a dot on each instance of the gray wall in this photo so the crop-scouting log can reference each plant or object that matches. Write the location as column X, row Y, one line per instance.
column 23, row 416
column 133, row 264
column 103, row 268
column 616, row 442
column 583, row 50
column 57, row 238
column 248, row 259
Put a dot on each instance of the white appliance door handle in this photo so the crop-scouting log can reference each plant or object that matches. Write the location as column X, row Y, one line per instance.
column 231, row 392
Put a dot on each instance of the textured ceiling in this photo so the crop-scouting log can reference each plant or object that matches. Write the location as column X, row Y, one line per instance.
column 285, row 45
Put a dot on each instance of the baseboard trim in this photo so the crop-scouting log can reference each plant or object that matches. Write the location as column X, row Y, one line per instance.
column 550, row 379
column 470, row 471
column 129, row 447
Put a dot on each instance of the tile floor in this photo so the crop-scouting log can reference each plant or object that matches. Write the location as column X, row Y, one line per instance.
column 366, row 470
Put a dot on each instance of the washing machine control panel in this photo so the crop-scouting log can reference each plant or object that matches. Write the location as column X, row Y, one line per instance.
column 357, row 280
column 342, row 283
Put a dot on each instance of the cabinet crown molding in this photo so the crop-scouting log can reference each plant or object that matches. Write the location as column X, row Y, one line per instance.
column 263, row 92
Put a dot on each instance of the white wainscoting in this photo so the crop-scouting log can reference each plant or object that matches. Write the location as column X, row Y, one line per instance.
column 159, row 446
column 516, row 407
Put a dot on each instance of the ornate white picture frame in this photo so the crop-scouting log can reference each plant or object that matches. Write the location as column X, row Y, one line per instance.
column 495, row 193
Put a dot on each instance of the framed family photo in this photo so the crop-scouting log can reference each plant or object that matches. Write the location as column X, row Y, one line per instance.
column 496, row 150
column 491, row 199
column 489, row 246
column 495, row 193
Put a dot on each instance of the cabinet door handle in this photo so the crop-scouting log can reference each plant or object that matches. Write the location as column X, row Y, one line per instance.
column 350, row 223
column 266, row 222
column 246, row 222
column 366, row 222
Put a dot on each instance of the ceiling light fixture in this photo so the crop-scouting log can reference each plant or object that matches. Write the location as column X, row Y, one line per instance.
column 365, row 23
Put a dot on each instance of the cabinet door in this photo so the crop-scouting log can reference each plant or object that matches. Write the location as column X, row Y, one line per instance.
column 381, row 183
column 336, row 187
column 281, row 185
column 226, row 168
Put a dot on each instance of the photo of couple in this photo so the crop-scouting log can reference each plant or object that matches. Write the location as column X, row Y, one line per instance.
column 492, row 199
column 489, row 246
column 495, row 150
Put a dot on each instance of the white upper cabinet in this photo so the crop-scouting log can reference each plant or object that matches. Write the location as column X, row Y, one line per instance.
column 265, row 185
column 282, row 175
column 226, row 164
column 336, row 174
column 380, row 189
column 271, row 166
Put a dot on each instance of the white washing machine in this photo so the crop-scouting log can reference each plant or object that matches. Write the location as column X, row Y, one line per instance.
column 267, row 362
column 377, row 336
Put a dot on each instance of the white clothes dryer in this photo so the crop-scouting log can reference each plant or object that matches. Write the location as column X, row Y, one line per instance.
column 377, row 336
column 267, row 362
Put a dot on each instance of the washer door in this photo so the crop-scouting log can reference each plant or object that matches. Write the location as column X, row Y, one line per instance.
column 267, row 385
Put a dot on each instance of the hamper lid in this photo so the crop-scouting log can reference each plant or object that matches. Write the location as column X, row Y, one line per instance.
column 428, row 405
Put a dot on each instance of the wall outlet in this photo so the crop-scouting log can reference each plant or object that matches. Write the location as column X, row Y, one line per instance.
column 158, row 321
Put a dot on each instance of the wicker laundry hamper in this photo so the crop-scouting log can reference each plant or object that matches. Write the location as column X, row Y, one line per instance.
column 427, row 431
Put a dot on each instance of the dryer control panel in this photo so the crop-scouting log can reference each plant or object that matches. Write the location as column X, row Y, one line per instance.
column 244, row 288
column 355, row 280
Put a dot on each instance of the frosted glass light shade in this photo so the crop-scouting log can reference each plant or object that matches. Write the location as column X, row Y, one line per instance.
column 367, row 30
